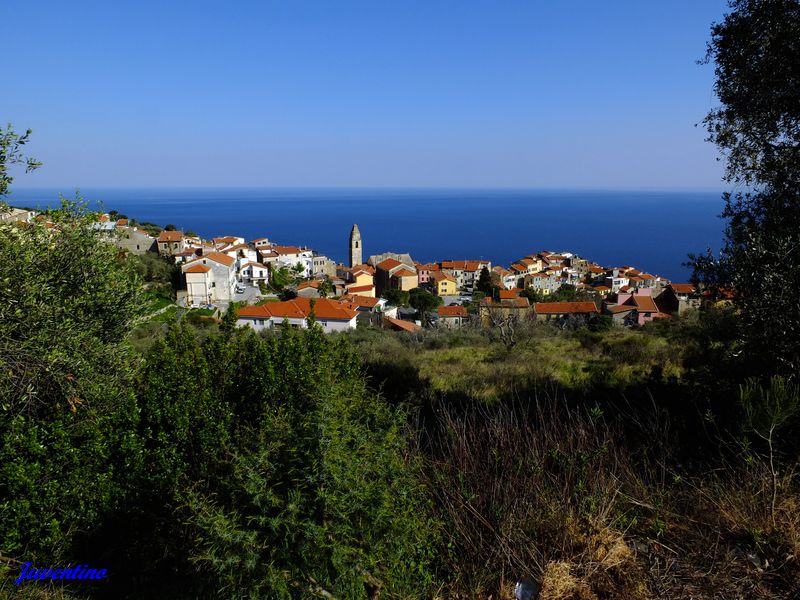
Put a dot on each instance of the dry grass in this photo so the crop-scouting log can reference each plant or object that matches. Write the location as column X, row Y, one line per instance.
column 553, row 494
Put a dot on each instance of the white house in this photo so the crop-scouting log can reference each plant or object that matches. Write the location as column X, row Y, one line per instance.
column 289, row 256
column 329, row 314
column 209, row 279
column 254, row 272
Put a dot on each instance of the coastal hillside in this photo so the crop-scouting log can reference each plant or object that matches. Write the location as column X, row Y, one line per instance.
column 190, row 408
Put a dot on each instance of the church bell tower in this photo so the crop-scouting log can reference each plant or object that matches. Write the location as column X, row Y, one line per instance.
column 355, row 246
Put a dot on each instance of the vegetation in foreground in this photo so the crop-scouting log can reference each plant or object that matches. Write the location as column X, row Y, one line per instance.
column 219, row 463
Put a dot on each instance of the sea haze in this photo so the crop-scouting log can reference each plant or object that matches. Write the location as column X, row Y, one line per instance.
column 651, row 230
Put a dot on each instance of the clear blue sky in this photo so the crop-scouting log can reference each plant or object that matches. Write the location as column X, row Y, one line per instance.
column 458, row 93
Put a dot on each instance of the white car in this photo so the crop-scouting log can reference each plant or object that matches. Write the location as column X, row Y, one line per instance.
column 239, row 288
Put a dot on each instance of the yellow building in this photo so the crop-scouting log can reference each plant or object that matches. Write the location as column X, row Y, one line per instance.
column 446, row 285
column 405, row 279
column 363, row 278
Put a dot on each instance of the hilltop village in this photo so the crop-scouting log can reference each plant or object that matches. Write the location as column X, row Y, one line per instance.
column 271, row 283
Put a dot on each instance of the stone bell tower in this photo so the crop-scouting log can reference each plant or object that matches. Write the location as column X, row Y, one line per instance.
column 355, row 246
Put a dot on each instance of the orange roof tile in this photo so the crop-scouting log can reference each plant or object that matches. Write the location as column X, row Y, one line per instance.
column 362, row 301
column 427, row 267
column 404, row 273
column 198, row 269
column 442, row 276
column 360, row 288
column 645, row 303
column 389, row 264
column 551, row 308
column 363, row 267
column 300, row 308
column 452, row 311
column 287, row 249
column 170, row 236
column 619, row 308
column 400, row 324
column 220, row 258
column 682, row 288
column 508, row 294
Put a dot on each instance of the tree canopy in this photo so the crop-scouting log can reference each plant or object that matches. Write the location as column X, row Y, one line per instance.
column 756, row 51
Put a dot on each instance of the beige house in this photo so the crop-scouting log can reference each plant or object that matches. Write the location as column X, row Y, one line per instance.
column 391, row 274
column 209, row 279
column 171, row 242
column 452, row 316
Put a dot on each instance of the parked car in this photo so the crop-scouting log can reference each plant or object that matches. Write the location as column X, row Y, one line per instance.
column 239, row 288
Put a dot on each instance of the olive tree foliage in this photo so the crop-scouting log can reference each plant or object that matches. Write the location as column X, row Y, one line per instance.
column 282, row 475
column 12, row 153
column 756, row 50
column 67, row 410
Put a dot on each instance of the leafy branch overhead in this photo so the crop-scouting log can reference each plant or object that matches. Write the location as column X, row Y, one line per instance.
column 11, row 153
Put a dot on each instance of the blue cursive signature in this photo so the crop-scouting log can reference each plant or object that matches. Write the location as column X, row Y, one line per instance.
column 77, row 572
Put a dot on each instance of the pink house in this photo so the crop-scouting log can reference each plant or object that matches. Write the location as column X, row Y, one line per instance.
column 424, row 272
column 641, row 302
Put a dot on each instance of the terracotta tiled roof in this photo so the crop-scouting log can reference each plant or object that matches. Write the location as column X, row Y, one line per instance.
column 442, row 276
column 360, row 288
column 403, row 325
column 287, row 249
column 389, row 264
column 363, row 267
column 198, row 269
column 359, row 301
column 220, row 258
column 300, row 308
column 404, row 273
column 427, row 267
column 170, row 236
column 226, row 239
column 508, row 294
column 645, row 303
column 519, row 302
column 452, row 311
column 462, row 265
column 619, row 308
column 255, row 312
column 558, row 308
column 682, row 288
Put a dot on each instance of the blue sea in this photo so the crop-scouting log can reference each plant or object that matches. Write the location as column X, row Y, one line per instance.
column 651, row 230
